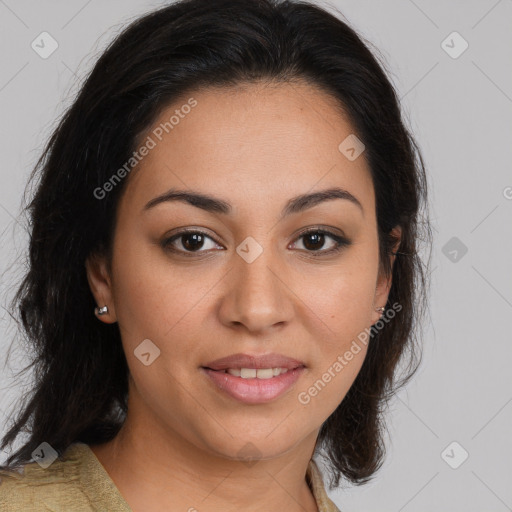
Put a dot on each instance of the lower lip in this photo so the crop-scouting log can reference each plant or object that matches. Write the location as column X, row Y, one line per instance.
column 254, row 391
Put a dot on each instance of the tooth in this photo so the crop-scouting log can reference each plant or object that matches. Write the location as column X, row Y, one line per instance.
column 265, row 373
column 247, row 373
column 255, row 373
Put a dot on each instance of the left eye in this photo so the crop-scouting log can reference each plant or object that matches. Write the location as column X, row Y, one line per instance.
column 315, row 238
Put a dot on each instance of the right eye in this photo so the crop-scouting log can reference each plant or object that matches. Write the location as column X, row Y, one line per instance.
column 190, row 240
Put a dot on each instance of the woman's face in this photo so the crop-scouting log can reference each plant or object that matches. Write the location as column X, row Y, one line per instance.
column 251, row 282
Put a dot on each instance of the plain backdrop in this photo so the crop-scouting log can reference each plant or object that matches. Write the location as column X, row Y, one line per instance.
column 456, row 92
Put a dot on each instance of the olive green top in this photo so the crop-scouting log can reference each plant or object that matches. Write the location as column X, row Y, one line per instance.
column 77, row 482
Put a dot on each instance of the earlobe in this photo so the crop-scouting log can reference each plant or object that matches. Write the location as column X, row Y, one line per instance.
column 101, row 288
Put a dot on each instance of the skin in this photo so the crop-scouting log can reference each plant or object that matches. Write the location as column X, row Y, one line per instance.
column 255, row 147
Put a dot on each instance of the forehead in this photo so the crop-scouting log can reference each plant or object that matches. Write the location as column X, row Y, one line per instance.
column 241, row 142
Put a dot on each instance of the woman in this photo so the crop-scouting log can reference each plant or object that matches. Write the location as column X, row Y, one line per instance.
column 224, row 269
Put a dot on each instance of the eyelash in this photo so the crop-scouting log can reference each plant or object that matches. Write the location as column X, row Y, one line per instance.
column 341, row 242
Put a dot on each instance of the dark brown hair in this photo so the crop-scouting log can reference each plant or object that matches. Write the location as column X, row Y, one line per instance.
column 80, row 383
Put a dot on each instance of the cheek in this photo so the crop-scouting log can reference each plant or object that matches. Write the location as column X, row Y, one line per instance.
column 160, row 302
column 162, row 307
column 342, row 302
column 142, row 279
column 343, row 297
column 339, row 356
column 332, row 377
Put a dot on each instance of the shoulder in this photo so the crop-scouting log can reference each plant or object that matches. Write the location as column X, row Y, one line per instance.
column 315, row 480
column 38, row 488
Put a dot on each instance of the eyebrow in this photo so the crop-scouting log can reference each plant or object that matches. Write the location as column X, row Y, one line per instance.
column 215, row 205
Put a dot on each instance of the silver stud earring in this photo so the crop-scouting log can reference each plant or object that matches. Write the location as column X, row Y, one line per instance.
column 381, row 309
column 101, row 311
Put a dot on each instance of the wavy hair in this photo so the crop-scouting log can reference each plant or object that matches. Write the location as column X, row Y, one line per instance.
column 80, row 375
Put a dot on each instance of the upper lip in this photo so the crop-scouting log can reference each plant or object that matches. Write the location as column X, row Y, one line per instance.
column 254, row 361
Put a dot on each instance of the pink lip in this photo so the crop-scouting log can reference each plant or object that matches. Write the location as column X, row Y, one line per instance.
column 254, row 391
column 256, row 361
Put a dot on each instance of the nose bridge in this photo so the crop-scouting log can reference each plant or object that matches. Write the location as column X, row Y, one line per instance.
column 258, row 297
column 256, row 277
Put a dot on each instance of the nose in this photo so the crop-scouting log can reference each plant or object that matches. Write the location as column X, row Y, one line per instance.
column 257, row 296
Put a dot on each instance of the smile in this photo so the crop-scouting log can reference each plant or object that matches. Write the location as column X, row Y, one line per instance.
column 253, row 386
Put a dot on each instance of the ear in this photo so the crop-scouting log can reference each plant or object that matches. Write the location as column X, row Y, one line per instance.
column 384, row 283
column 101, row 285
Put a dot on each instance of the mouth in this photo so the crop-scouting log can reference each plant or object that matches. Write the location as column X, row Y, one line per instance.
column 252, row 387
column 253, row 379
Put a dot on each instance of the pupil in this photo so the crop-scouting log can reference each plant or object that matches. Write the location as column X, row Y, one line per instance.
column 318, row 239
column 198, row 241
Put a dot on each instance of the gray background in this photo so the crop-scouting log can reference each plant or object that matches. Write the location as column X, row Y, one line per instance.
column 460, row 111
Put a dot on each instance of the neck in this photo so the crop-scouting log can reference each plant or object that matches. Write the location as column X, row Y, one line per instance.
column 156, row 468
